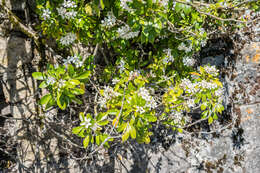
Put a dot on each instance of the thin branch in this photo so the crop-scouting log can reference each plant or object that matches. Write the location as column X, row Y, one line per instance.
column 16, row 21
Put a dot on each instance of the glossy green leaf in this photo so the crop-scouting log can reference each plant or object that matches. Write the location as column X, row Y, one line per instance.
column 76, row 130
column 210, row 120
column 86, row 141
column 125, row 136
column 77, row 91
column 84, row 75
column 132, row 132
column 43, row 85
column 45, row 99
column 38, row 75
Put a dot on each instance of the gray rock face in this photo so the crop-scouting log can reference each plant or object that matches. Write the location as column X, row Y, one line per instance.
column 217, row 60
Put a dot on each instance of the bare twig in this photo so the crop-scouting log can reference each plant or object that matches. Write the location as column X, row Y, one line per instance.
column 16, row 21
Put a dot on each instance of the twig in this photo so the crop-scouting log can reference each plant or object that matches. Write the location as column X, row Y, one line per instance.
column 16, row 21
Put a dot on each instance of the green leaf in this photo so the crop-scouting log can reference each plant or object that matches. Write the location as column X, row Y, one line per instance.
column 150, row 118
column 38, row 75
column 71, row 70
column 43, row 85
column 203, row 106
column 76, row 130
column 133, row 132
column 45, row 99
column 103, row 123
column 61, row 101
column 77, row 91
column 86, row 141
column 215, row 117
column 125, row 136
column 84, row 75
column 180, row 130
column 102, row 4
column 122, row 127
column 210, row 120
column 98, row 141
column 73, row 83
column 178, row 7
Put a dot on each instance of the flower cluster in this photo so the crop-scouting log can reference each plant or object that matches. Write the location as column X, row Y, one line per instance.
column 164, row 3
column 46, row 14
column 211, row 70
column 140, row 109
column 207, row 85
column 66, row 13
column 169, row 56
column 188, row 61
column 190, row 103
column 220, row 94
column 150, row 102
column 134, row 74
column 69, row 4
column 109, row 21
column 108, row 94
column 61, row 83
column 178, row 116
column 123, row 4
column 190, row 87
column 115, row 81
column 86, row 122
column 68, row 39
column 50, row 80
column 183, row 47
column 125, row 32
column 121, row 66
column 73, row 59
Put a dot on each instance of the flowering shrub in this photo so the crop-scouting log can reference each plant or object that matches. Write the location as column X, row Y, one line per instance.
column 149, row 73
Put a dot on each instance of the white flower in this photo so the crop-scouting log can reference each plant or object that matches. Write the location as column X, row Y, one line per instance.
column 182, row 46
column 109, row 21
column 123, row 4
column 219, row 92
column 46, row 14
column 125, row 32
column 95, row 127
column 50, row 81
column 108, row 94
column 178, row 116
column 68, row 39
column 133, row 74
column 211, row 70
column 188, row 61
column 150, row 102
column 66, row 14
column 115, row 81
column 164, row 3
column 173, row 5
column 85, row 122
column 207, row 85
column 190, row 103
column 102, row 102
column 61, row 83
column 188, row 86
column 169, row 57
column 69, row 4
column 121, row 65
column 140, row 109
column 75, row 60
